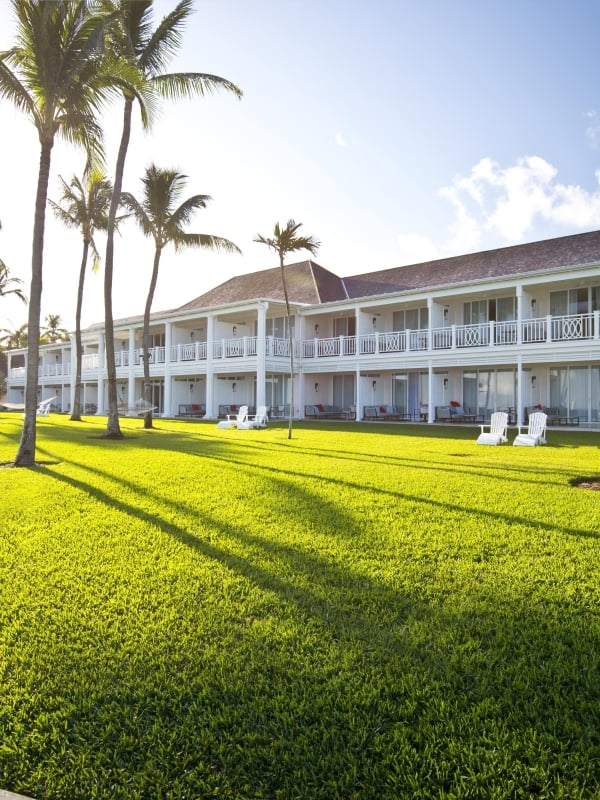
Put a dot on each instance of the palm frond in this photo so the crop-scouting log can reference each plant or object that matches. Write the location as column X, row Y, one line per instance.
column 285, row 240
column 138, row 212
column 176, row 85
column 13, row 90
column 183, row 214
column 205, row 241
column 165, row 41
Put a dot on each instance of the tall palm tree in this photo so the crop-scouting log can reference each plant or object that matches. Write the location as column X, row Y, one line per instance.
column 53, row 330
column 161, row 216
column 84, row 207
column 150, row 51
column 284, row 241
column 54, row 74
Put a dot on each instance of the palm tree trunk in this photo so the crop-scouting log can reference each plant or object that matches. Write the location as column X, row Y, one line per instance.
column 291, row 345
column 26, row 453
column 76, row 410
column 146, row 339
column 113, row 430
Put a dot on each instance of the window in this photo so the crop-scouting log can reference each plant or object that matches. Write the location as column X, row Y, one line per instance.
column 570, row 301
column 413, row 319
column 343, row 391
column 277, row 327
column 344, row 326
column 475, row 312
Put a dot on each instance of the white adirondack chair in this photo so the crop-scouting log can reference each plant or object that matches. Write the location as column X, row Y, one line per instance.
column 536, row 431
column 258, row 420
column 43, row 407
column 234, row 420
column 497, row 429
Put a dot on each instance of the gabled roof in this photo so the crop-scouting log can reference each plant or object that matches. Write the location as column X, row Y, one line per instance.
column 564, row 252
column 310, row 284
column 307, row 283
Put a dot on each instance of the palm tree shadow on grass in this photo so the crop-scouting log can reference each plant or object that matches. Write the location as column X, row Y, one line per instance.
column 497, row 693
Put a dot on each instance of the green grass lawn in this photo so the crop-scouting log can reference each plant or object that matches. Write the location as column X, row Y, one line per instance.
column 365, row 611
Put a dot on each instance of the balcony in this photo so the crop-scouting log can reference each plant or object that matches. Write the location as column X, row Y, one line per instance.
column 459, row 337
column 511, row 334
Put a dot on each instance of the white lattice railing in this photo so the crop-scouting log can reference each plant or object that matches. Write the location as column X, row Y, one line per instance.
column 567, row 328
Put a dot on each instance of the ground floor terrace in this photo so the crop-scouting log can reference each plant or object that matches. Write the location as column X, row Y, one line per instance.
column 570, row 392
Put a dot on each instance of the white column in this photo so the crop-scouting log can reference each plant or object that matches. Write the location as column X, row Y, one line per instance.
column 431, row 410
column 100, row 376
column 211, row 410
column 130, row 376
column 168, row 411
column 299, row 392
column 519, row 390
column 73, row 370
column 429, row 323
column 519, row 294
column 261, row 344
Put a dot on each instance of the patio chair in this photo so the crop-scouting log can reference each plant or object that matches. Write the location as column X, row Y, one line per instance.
column 43, row 407
column 497, row 429
column 258, row 420
column 536, row 431
column 234, row 420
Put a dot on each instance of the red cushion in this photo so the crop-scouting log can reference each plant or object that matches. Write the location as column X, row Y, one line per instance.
column 454, row 404
column 382, row 409
column 319, row 407
column 234, row 409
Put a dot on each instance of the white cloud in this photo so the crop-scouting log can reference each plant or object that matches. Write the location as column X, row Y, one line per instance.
column 592, row 131
column 510, row 201
column 415, row 248
column 340, row 141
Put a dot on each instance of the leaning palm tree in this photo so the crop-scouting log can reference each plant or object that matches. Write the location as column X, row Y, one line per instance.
column 54, row 74
column 284, row 241
column 162, row 217
column 133, row 37
column 84, row 207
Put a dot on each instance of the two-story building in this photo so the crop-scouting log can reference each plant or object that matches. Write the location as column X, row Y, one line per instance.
column 503, row 329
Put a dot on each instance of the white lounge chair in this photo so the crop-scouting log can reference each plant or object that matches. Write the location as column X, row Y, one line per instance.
column 234, row 420
column 497, row 429
column 258, row 420
column 536, row 431
column 43, row 407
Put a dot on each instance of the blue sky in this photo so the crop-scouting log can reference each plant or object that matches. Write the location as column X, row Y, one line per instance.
column 396, row 132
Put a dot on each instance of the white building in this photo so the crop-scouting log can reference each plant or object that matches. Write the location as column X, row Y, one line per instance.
column 502, row 329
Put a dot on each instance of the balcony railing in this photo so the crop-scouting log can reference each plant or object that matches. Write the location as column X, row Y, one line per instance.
column 54, row 370
column 44, row 371
column 568, row 328
column 460, row 337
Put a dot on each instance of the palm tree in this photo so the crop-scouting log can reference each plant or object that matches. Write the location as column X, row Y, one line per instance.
column 53, row 330
column 284, row 241
column 85, row 208
column 55, row 75
column 5, row 281
column 162, row 217
column 15, row 338
column 149, row 51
